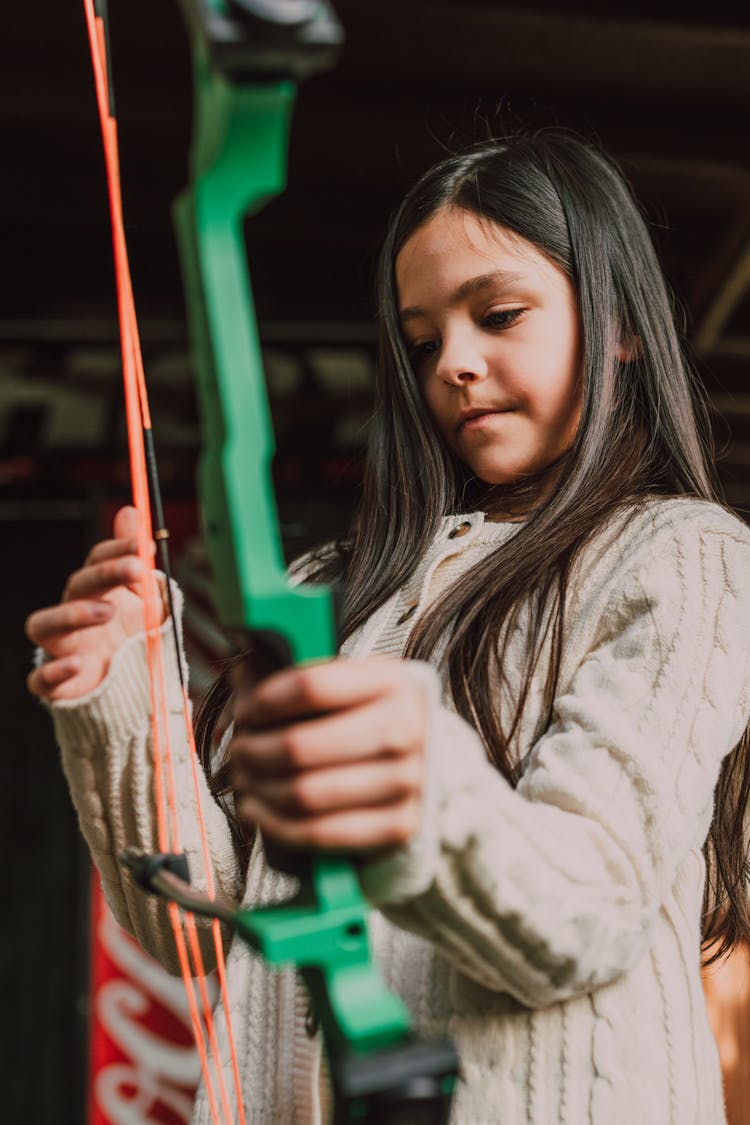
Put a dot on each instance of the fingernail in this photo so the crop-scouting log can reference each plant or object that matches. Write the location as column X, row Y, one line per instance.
column 101, row 610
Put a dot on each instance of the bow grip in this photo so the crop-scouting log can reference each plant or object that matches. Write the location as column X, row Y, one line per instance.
column 268, row 651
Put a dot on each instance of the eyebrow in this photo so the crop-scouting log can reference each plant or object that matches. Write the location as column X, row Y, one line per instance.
column 504, row 278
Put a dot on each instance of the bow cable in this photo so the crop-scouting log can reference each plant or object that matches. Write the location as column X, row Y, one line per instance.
column 145, row 488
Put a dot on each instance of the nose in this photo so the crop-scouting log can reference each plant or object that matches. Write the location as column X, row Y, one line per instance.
column 461, row 360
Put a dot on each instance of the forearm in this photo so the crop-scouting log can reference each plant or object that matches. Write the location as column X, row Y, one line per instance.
column 522, row 895
column 554, row 888
column 107, row 756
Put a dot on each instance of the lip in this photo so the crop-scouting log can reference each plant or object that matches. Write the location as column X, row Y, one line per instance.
column 474, row 418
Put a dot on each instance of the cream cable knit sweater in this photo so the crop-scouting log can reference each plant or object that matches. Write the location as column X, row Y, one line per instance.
column 553, row 930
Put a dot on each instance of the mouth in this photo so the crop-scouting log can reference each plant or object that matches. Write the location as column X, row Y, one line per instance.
column 478, row 416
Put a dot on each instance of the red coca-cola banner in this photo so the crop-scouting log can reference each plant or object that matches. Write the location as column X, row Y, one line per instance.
column 143, row 1064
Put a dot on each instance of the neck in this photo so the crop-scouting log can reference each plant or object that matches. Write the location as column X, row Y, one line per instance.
column 514, row 502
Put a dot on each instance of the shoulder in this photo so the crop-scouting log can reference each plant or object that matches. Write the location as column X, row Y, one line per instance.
column 659, row 534
column 667, row 567
column 681, row 517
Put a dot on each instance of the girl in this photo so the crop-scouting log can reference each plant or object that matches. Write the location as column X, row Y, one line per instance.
column 536, row 738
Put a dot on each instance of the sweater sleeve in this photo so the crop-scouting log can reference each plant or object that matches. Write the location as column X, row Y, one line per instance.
column 553, row 888
column 105, row 739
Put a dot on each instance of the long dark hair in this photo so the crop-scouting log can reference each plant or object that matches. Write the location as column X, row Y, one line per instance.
column 644, row 432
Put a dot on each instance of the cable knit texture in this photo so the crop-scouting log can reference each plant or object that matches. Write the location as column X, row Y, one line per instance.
column 552, row 930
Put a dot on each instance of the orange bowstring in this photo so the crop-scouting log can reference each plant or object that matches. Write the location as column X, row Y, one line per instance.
column 138, row 420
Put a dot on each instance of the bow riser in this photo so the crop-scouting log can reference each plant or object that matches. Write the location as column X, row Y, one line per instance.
column 239, row 511
column 238, row 163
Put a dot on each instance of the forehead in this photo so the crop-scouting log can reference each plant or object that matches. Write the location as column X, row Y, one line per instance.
column 455, row 244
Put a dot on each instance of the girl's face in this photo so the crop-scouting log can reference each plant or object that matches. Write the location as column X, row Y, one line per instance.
column 493, row 332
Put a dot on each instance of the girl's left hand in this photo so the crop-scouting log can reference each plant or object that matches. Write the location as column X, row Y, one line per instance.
column 332, row 755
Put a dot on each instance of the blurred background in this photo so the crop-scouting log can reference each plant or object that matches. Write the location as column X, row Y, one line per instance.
column 667, row 94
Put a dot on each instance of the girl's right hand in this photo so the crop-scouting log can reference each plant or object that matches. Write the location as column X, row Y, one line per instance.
column 100, row 608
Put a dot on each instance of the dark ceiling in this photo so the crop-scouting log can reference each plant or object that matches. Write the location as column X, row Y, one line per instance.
column 667, row 94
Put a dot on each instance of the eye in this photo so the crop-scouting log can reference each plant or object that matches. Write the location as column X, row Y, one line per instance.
column 502, row 318
column 421, row 351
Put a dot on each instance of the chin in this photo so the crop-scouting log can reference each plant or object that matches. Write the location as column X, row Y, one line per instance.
column 499, row 478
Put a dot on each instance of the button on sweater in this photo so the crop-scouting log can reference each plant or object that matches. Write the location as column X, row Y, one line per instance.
column 553, row 930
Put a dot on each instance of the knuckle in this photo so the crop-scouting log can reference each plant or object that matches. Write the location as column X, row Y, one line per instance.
column 397, row 738
column 30, row 626
column 400, row 836
column 408, row 779
column 100, row 548
column 305, row 687
column 42, row 674
column 40, row 681
column 74, row 614
column 405, row 824
column 240, row 751
column 294, row 747
column 316, row 834
column 302, row 793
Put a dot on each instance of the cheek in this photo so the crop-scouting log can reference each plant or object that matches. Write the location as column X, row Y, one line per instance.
column 557, row 392
column 564, row 412
column 553, row 410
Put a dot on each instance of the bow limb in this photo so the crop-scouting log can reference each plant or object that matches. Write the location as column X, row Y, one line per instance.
column 239, row 160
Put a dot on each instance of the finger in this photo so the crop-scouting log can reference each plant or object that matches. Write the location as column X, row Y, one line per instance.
column 113, row 548
column 47, row 677
column 383, row 728
column 45, row 625
column 314, row 792
column 361, row 829
column 125, row 523
column 100, row 578
column 315, row 689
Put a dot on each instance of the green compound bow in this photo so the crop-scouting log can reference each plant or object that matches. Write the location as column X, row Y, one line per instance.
column 248, row 56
